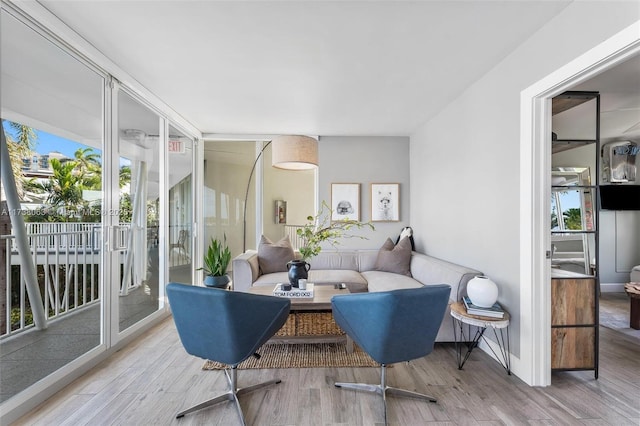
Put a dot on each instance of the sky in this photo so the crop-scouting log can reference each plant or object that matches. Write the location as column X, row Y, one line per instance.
column 46, row 143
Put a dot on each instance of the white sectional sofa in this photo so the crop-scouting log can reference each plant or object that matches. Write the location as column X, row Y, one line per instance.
column 356, row 268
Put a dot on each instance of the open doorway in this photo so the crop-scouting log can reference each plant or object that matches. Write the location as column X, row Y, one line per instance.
column 536, row 178
column 619, row 224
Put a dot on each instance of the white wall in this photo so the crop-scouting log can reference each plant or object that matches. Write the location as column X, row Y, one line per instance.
column 619, row 247
column 465, row 161
column 366, row 160
column 297, row 188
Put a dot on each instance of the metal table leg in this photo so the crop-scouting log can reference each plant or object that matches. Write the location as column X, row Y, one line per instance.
column 461, row 338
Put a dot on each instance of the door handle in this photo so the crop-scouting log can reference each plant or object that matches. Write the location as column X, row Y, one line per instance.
column 117, row 238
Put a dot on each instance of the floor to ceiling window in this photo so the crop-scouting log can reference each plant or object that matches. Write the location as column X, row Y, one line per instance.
column 228, row 180
column 52, row 112
column 92, row 193
column 227, row 165
column 181, row 231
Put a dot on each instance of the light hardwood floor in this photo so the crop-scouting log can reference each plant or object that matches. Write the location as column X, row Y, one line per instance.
column 148, row 382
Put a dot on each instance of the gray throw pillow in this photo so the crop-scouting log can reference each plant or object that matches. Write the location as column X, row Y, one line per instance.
column 273, row 257
column 395, row 258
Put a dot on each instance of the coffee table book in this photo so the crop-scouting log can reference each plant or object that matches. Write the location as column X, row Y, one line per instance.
column 294, row 292
column 495, row 311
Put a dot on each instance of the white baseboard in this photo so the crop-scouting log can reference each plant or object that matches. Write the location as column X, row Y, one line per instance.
column 612, row 287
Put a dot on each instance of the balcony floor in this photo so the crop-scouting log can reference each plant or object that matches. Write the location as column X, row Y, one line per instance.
column 33, row 354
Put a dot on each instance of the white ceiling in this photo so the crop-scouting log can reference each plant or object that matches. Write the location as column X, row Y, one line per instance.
column 619, row 90
column 321, row 68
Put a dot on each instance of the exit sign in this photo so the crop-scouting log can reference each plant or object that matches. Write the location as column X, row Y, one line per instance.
column 176, row 146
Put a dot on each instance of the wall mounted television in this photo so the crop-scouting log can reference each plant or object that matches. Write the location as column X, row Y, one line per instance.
column 619, row 197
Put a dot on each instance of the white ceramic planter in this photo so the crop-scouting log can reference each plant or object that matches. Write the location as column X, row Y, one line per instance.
column 482, row 291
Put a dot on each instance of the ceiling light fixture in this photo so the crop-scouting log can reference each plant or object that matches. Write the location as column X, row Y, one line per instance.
column 134, row 133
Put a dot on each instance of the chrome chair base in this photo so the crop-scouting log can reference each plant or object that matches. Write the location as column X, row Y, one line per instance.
column 384, row 390
column 230, row 395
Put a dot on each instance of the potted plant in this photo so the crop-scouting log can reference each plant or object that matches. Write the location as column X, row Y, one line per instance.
column 320, row 229
column 216, row 260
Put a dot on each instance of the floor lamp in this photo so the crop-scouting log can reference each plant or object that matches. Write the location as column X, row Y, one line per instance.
column 289, row 153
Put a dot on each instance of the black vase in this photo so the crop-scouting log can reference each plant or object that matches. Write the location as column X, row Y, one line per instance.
column 297, row 269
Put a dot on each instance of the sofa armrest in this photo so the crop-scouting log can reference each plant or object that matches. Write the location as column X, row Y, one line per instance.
column 246, row 270
column 430, row 270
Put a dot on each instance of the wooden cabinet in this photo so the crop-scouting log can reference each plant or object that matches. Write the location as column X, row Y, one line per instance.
column 573, row 323
column 574, row 236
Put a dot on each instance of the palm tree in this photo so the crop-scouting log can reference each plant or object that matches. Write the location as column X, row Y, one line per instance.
column 70, row 178
column 89, row 167
column 18, row 149
column 65, row 186
column 125, row 176
column 26, row 135
column 126, row 207
column 572, row 219
column 88, row 158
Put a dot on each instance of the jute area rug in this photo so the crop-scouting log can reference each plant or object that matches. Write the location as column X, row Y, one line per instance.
column 305, row 355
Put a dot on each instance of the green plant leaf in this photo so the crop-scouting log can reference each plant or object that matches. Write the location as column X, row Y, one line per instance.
column 217, row 258
column 321, row 228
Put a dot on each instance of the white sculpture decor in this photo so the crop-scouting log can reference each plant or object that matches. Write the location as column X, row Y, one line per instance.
column 482, row 291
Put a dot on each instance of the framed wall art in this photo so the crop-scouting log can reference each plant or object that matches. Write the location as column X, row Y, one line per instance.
column 385, row 202
column 345, row 201
column 281, row 212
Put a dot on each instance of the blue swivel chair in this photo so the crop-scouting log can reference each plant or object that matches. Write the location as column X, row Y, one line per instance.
column 227, row 327
column 392, row 326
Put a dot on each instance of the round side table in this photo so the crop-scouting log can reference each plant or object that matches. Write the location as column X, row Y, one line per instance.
column 477, row 325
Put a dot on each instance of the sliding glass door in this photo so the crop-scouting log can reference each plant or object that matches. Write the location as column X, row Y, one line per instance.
column 136, row 232
column 91, row 218
column 51, row 245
